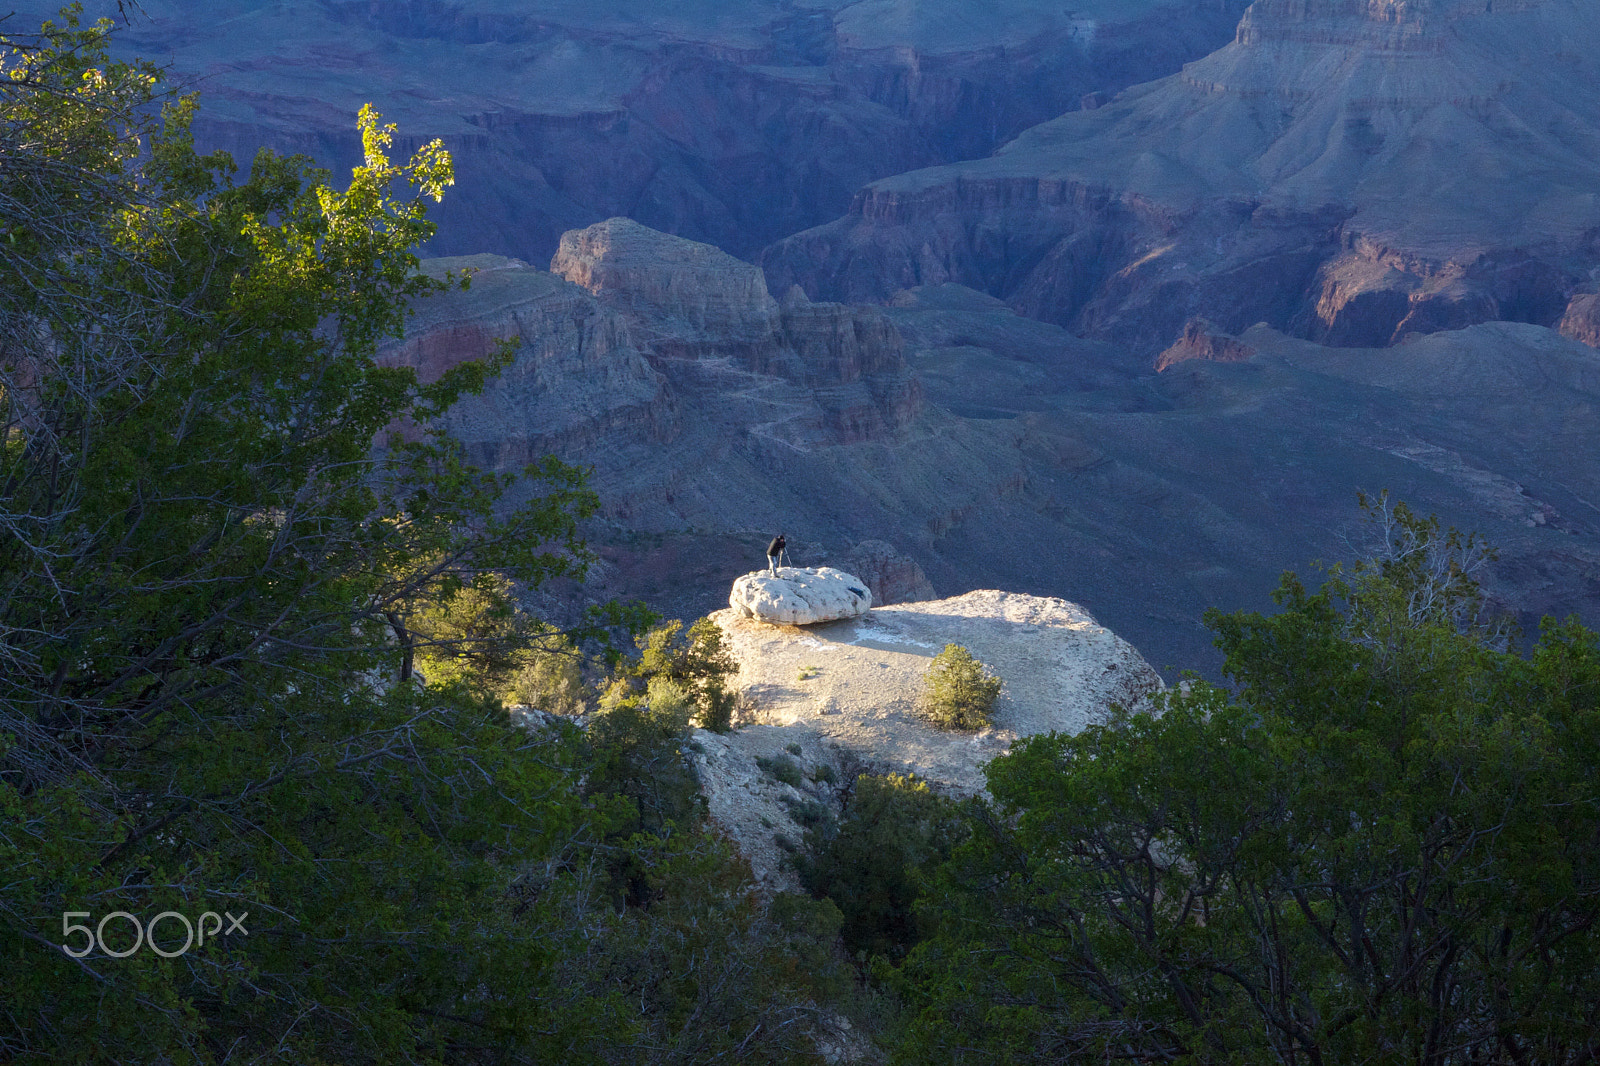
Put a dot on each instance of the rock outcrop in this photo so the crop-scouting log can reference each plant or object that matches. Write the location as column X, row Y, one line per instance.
column 627, row 331
column 1201, row 341
column 844, row 695
column 1349, row 172
column 799, row 596
column 580, row 373
column 890, row 575
column 1581, row 320
column 713, row 302
column 690, row 301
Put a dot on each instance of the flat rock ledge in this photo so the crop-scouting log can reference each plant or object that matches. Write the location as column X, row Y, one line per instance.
column 840, row 698
column 800, row 596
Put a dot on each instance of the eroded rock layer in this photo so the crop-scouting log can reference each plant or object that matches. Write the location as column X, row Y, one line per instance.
column 733, row 121
column 1350, row 172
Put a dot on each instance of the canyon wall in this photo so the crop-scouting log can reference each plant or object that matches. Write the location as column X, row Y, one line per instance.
column 731, row 121
column 702, row 405
column 989, row 450
column 1352, row 173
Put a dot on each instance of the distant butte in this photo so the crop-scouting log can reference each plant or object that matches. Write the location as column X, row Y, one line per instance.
column 1351, row 173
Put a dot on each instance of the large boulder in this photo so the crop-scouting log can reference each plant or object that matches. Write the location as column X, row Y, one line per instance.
column 800, row 596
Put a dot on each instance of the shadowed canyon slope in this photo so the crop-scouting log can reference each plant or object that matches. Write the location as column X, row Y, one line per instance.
column 1349, row 172
column 1002, row 452
column 983, row 412
column 709, row 412
column 733, row 121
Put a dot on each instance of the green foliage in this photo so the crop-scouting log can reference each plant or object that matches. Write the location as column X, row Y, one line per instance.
column 697, row 661
column 960, row 692
column 700, row 972
column 1380, row 847
column 668, row 700
column 226, row 536
column 549, row 675
column 639, row 748
column 781, row 767
column 870, row 865
column 468, row 633
column 807, row 813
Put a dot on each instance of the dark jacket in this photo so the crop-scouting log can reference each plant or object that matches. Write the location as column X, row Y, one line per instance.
column 776, row 547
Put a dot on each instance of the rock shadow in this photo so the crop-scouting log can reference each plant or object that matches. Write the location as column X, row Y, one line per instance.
column 867, row 632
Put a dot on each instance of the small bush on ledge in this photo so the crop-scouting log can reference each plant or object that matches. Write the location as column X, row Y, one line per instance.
column 783, row 768
column 960, row 692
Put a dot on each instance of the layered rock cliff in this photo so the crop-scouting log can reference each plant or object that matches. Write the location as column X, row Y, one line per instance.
column 1006, row 452
column 1200, row 340
column 579, row 375
column 733, row 121
column 690, row 301
column 707, row 409
column 1350, row 172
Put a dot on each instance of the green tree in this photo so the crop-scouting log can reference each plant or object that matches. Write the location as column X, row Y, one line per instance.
column 697, row 662
column 959, row 692
column 871, row 864
column 209, row 575
column 550, row 676
column 474, row 633
column 1380, row 847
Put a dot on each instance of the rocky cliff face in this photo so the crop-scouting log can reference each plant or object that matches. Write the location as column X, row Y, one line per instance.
column 1581, row 320
column 690, row 301
column 1030, row 459
column 605, row 335
column 705, row 407
column 733, row 121
column 845, row 695
column 708, row 296
column 579, row 375
column 1201, row 341
column 891, row 576
column 1350, row 172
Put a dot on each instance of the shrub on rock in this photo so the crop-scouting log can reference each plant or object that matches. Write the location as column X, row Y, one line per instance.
column 783, row 768
column 551, row 678
column 697, row 663
column 960, row 692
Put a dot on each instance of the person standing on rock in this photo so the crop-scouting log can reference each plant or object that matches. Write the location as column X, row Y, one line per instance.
column 774, row 551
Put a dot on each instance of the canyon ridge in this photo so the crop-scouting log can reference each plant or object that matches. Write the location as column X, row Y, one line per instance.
column 1118, row 303
column 736, row 122
column 1348, row 173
